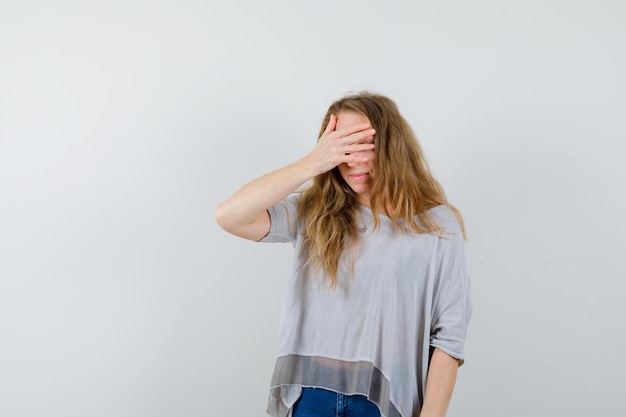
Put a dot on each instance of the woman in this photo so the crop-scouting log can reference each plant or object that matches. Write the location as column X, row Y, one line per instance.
column 378, row 302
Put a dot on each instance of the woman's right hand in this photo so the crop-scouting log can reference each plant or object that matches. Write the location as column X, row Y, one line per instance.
column 245, row 213
column 336, row 147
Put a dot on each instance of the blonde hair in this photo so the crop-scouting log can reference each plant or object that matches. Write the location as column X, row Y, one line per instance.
column 403, row 186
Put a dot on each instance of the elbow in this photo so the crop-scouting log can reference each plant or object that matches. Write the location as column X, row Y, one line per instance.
column 233, row 221
column 227, row 218
column 220, row 215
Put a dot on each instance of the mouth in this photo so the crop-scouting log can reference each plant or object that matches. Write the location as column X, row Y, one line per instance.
column 359, row 176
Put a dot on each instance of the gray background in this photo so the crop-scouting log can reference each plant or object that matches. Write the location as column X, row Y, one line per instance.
column 123, row 124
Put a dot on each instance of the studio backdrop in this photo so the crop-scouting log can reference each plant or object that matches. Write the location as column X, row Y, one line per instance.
column 124, row 123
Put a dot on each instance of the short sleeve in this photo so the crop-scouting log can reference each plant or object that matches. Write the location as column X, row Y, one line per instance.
column 284, row 220
column 452, row 302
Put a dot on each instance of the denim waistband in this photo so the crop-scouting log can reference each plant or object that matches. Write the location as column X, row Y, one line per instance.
column 319, row 402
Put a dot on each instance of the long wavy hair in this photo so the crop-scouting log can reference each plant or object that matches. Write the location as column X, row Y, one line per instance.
column 403, row 187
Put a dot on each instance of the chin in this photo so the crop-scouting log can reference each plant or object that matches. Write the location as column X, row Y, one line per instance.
column 361, row 192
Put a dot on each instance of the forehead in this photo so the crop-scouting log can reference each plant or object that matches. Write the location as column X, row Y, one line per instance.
column 347, row 119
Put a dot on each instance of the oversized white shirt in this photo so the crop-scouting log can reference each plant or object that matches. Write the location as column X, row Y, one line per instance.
column 399, row 295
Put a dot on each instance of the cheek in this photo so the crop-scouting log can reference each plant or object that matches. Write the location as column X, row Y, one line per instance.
column 342, row 170
column 372, row 159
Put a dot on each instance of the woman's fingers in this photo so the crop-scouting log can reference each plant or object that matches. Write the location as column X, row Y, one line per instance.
column 331, row 124
column 360, row 141
column 342, row 146
column 359, row 147
column 359, row 137
column 357, row 131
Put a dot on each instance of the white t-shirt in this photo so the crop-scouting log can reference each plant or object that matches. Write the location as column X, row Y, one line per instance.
column 399, row 295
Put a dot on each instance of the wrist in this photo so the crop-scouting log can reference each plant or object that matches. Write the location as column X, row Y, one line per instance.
column 308, row 167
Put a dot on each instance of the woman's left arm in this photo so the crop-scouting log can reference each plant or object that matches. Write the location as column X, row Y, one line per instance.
column 439, row 384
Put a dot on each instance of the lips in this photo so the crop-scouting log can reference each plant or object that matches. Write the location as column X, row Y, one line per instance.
column 359, row 176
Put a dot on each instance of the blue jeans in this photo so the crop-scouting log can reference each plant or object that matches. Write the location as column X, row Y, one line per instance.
column 318, row 402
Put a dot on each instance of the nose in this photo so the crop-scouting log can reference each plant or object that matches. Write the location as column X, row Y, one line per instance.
column 352, row 164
